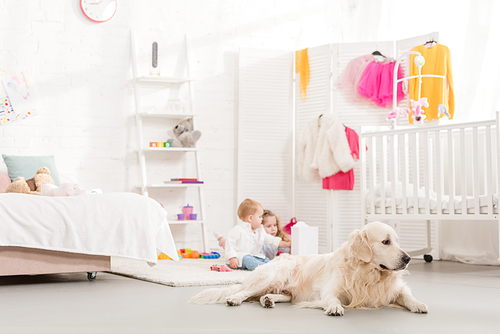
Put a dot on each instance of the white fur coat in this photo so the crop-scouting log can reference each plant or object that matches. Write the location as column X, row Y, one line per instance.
column 323, row 149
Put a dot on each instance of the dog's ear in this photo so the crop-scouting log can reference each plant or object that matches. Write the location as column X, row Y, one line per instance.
column 359, row 246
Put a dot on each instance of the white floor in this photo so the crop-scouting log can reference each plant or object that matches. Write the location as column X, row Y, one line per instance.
column 461, row 299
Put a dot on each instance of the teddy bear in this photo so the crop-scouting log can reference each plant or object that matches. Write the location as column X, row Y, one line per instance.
column 185, row 135
column 32, row 186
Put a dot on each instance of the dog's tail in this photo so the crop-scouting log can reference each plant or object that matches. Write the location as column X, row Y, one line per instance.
column 215, row 296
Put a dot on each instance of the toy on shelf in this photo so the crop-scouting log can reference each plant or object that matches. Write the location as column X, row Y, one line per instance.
column 154, row 69
column 187, row 211
column 185, row 135
column 222, row 268
column 160, row 144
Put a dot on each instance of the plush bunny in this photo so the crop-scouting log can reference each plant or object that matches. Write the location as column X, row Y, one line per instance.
column 65, row 189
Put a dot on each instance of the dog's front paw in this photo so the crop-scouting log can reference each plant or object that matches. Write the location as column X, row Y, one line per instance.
column 334, row 310
column 417, row 307
column 266, row 301
column 233, row 301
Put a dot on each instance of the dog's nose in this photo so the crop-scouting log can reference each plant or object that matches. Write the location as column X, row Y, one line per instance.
column 406, row 258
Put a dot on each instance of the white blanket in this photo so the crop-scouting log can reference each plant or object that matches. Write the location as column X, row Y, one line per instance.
column 113, row 224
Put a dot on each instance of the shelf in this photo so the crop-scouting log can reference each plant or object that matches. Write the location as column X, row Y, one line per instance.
column 174, row 185
column 151, row 116
column 178, row 222
column 172, row 149
column 159, row 115
column 162, row 79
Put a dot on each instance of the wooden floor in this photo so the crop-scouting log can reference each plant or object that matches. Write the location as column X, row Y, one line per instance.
column 461, row 299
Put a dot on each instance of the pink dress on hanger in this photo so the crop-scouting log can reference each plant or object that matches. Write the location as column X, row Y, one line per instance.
column 352, row 74
column 376, row 83
column 386, row 85
column 341, row 180
column 370, row 80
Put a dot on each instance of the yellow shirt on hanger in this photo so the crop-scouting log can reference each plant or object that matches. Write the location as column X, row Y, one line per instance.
column 437, row 62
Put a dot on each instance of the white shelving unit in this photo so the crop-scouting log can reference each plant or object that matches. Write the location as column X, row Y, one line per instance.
column 162, row 82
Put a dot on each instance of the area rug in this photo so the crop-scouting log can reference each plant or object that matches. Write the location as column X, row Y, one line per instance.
column 187, row 272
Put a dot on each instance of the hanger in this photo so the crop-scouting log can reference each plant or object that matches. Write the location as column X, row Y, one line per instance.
column 430, row 43
column 379, row 57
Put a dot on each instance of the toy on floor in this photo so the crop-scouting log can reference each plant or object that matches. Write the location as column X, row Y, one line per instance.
column 212, row 255
column 219, row 268
column 187, row 253
column 164, row 256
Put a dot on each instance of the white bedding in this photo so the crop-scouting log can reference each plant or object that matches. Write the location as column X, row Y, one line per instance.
column 445, row 199
column 113, row 224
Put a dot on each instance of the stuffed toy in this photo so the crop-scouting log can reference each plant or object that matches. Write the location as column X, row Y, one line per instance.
column 32, row 186
column 185, row 135
column 65, row 189
column 393, row 116
column 416, row 109
column 443, row 110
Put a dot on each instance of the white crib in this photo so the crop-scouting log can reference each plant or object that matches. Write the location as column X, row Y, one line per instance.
column 444, row 172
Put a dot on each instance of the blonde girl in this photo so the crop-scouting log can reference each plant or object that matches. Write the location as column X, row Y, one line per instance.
column 272, row 226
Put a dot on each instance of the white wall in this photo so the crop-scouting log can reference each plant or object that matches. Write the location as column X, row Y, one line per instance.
column 82, row 73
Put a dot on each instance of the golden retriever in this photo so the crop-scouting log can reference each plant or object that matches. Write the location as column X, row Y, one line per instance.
column 365, row 272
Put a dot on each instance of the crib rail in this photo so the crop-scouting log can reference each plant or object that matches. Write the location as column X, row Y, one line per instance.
column 431, row 172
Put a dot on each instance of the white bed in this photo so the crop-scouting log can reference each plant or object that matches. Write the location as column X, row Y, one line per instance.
column 448, row 163
column 41, row 235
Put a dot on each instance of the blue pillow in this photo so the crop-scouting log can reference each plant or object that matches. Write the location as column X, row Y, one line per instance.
column 27, row 166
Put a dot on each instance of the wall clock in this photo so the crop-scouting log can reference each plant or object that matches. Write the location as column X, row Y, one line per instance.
column 98, row 10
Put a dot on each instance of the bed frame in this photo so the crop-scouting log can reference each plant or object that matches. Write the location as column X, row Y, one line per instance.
column 32, row 261
column 450, row 160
